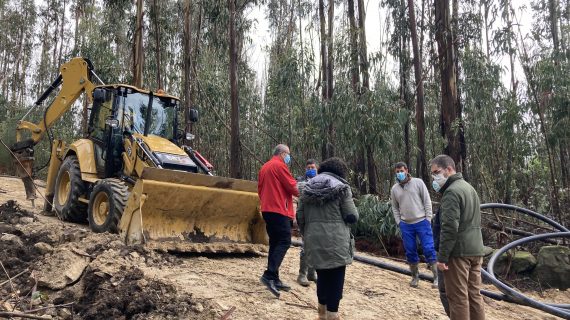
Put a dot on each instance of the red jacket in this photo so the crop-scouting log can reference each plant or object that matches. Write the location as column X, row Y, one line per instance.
column 276, row 187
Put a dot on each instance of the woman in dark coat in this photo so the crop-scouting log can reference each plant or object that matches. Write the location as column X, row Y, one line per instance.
column 325, row 209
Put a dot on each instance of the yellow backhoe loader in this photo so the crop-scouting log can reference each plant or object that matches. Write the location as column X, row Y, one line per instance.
column 129, row 175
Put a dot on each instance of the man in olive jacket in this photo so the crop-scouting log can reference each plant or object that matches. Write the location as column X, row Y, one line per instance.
column 461, row 243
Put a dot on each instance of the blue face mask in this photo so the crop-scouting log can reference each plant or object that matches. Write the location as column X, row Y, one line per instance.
column 287, row 159
column 435, row 186
column 311, row 173
column 401, row 176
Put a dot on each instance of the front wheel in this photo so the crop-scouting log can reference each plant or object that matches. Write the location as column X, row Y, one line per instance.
column 69, row 187
column 106, row 205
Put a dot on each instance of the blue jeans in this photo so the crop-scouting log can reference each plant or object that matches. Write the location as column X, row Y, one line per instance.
column 422, row 230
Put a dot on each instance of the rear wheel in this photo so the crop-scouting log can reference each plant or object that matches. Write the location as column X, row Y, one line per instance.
column 68, row 189
column 106, row 205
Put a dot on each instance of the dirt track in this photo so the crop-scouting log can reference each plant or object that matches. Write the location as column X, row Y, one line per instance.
column 105, row 279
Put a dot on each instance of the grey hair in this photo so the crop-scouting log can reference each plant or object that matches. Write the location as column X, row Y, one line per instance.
column 280, row 148
column 443, row 161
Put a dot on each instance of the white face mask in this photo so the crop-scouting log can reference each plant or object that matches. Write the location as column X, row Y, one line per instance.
column 438, row 181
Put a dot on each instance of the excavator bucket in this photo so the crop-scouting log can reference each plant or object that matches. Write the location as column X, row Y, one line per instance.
column 186, row 212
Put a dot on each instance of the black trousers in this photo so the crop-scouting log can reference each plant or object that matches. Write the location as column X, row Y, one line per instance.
column 330, row 284
column 278, row 229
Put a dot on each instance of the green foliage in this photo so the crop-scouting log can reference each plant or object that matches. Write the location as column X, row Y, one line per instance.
column 376, row 219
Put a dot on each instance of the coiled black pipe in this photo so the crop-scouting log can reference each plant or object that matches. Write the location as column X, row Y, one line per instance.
column 509, row 294
column 520, row 298
column 525, row 211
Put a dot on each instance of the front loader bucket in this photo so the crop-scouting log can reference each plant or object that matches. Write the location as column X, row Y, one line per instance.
column 187, row 212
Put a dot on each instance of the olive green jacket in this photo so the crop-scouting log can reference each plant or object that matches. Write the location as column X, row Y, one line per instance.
column 460, row 220
column 324, row 211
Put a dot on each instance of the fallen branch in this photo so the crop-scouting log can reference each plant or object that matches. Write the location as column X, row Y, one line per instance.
column 14, row 277
column 20, row 315
column 49, row 307
column 300, row 305
column 227, row 315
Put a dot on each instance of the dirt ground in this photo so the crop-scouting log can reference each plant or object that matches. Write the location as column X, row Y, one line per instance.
column 82, row 275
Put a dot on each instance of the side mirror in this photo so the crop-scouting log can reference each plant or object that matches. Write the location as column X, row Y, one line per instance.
column 113, row 123
column 99, row 95
column 193, row 115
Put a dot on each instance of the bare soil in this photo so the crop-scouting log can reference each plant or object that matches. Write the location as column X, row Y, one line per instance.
column 100, row 278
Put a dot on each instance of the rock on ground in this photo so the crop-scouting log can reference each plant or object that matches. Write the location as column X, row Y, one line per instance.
column 553, row 268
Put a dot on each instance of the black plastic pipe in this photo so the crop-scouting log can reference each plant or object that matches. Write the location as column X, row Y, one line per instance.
column 396, row 268
column 555, row 309
column 525, row 211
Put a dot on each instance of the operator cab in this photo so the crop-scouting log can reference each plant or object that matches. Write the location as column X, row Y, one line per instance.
column 120, row 111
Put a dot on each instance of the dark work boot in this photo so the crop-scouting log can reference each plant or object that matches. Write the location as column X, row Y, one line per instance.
column 270, row 284
column 433, row 268
column 312, row 275
column 303, row 268
column 415, row 275
column 281, row 286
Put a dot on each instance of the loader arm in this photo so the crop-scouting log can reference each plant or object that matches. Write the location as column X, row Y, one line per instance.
column 74, row 79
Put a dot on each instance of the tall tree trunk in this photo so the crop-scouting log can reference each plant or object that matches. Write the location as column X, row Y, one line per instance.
column 187, row 57
column 372, row 177
column 323, row 40
column 156, row 9
column 138, row 57
column 360, row 163
column 449, row 108
column 405, row 97
column 330, row 151
column 353, row 33
column 363, row 56
column 459, row 104
column 553, row 7
column 420, row 126
column 235, row 154
column 363, row 46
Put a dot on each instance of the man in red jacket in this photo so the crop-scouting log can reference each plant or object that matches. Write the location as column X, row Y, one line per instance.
column 276, row 188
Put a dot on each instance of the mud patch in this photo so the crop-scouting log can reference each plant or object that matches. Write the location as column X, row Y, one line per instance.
column 128, row 295
column 11, row 212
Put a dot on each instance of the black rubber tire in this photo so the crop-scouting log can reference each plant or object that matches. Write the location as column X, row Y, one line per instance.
column 72, row 209
column 48, row 203
column 116, row 194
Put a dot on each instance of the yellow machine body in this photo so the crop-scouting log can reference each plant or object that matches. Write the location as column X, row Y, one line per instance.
column 181, row 211
column 152, row 198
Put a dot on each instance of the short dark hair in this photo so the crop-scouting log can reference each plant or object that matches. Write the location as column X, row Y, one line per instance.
column 400, row 165
column 311, row 161
column 334, row 165
column 443, row 161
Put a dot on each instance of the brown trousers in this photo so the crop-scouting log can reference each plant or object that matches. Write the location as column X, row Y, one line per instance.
column 462, row 286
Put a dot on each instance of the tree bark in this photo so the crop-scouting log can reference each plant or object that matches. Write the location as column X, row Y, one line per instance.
column 360, row 163
column 235, row 154
column 187, row 58
column 330, row 151
column 156, row 18
column 420, row 126
column 363, row 55
column 449, row 118
column 138, row 57
column 353, row 33
column 323, row 40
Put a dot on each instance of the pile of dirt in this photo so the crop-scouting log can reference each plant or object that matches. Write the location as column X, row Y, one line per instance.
column 12, row 213
column 128, row 295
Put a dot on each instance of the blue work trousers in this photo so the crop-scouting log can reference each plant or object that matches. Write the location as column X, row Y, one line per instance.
column 421, row 230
